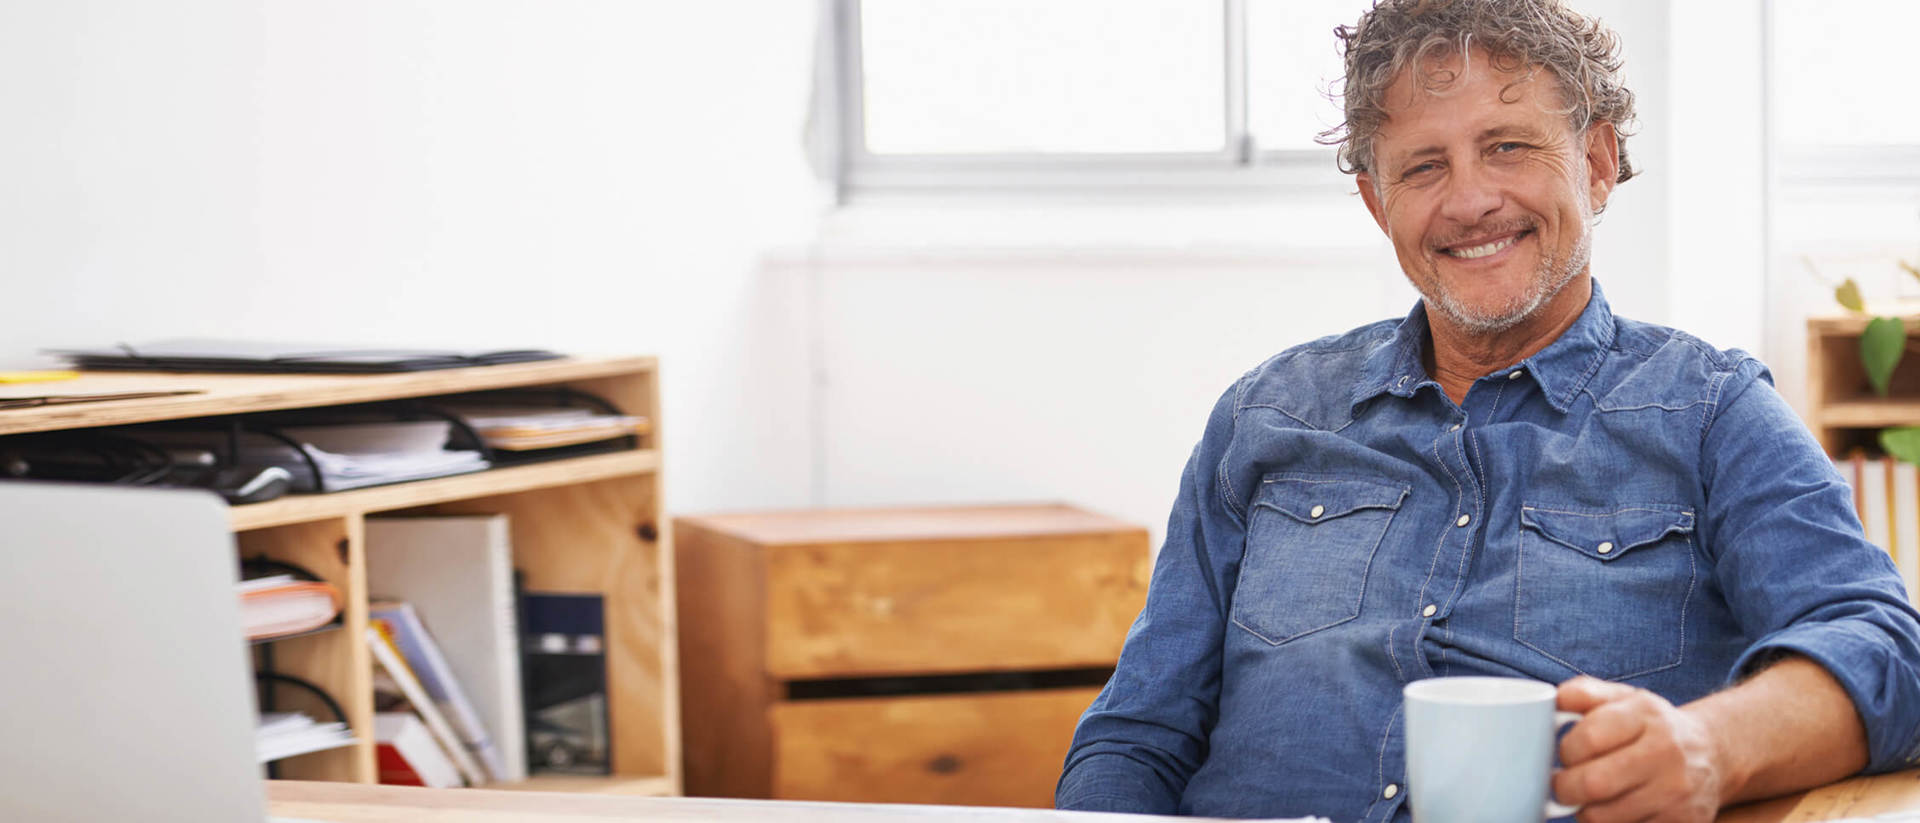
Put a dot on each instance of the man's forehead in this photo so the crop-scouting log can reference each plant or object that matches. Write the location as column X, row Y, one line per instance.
column 1448, row 74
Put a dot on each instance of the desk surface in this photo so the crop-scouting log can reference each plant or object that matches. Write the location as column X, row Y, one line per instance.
column 354, row 803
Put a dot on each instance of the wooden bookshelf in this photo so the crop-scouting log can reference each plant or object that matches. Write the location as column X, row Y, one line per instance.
column 1842, row 409
column 590, row 525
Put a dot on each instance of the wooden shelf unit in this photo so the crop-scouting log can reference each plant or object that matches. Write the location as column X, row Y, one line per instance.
column 589, row 525
column 1842, row 409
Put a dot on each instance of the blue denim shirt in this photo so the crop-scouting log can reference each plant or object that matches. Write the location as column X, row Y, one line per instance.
column 1628, row 503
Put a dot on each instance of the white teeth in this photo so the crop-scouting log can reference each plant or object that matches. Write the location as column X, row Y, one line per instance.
column 1473, row 252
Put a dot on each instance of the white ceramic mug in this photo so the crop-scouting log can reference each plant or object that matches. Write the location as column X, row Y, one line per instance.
column 1481, row 750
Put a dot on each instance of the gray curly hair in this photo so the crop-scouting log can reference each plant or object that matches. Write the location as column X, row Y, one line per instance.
column 1581, row 52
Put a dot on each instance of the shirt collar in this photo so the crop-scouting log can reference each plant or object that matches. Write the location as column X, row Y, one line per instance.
column 1562, row 368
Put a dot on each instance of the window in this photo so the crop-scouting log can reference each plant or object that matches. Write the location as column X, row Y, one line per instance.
column 1084, row 93
column 1842, row 77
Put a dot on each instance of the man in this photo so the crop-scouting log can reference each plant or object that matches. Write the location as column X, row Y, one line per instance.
column 1510, row 481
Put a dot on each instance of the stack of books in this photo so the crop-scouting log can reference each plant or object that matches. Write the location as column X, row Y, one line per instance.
column 1886, row 494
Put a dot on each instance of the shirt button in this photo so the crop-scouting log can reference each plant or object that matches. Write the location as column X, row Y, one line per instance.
column 1320, row 510
column 1513, row 375
column 1455, row 428
column 1402, row 383
column 1603, row 548
column 1464, row 520
column 1391, row 790
column 1429, row 611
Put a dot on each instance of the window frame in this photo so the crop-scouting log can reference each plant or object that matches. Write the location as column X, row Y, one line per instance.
column 1239, row 165
column 1890, row 167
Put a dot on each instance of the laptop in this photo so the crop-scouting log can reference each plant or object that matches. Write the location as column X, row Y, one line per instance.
column 127, row 692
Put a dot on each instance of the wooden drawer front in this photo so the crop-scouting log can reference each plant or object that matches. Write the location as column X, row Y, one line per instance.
column 930, row 607
column 978, row 749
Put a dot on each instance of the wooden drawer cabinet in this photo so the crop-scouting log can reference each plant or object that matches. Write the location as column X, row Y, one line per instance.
column 897, row 655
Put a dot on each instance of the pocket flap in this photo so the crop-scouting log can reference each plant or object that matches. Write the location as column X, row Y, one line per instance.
column 1606, row 535
column 1316, row 499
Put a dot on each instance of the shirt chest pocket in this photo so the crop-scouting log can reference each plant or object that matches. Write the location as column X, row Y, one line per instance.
column 1605, row 592
column 1310, row 540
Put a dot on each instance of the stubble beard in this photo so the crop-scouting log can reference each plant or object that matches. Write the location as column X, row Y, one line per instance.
column 1552, row 276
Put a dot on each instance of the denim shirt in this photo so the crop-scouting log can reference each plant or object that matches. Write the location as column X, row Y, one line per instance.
column 1628, row 503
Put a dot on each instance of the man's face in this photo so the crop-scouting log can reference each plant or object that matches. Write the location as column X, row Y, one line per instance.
column 1486, row 192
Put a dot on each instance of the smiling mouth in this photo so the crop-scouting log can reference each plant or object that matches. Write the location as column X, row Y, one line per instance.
column 1487, row 249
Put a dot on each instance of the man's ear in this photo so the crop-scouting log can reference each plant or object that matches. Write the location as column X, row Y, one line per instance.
column 1603, row 164
column 1372, row 197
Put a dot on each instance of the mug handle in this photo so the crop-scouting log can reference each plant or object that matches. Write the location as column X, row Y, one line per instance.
column 1554, row 808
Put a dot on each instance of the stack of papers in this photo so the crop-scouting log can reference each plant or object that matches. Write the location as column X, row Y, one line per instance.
column 519, row 428
column 280, row 605
column 285, row 734
column 353, row 455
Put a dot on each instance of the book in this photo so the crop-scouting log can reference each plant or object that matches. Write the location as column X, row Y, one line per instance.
column 1873, row 503
column 280, row 605
column 457, row 572
column 407, row 754
column 1906, row 524
column 435, row 675
column 388, row 655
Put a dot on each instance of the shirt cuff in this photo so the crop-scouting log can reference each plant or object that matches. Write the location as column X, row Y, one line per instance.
column 1112, row 782
column 1880, row 682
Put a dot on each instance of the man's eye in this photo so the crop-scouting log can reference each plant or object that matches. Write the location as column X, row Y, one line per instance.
column 1421, row 169
column 1508, row 147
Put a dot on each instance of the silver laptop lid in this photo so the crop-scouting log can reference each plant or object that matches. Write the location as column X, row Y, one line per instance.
column 128, row 693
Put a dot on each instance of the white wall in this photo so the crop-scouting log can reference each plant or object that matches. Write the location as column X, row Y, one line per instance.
column 1716, row 118
column 587, row 175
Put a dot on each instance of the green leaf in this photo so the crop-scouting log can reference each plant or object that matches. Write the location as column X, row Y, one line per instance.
column 1881, row 345
column 1849, row 296
column 1911, row 268
column 1903, row 443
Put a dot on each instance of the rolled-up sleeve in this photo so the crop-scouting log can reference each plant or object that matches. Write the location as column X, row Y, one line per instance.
column 1797, row 572
column 1146, row 733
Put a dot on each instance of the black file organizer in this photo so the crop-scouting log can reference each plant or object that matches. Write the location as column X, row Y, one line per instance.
column 120, row 455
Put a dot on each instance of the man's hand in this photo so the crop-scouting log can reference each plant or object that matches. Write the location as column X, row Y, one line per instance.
column 1635, row 756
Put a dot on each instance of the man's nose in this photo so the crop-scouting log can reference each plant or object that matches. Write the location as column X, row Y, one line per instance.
column 1471, row 194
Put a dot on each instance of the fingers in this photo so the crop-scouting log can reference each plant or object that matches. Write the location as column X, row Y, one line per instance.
column 1610, row 726
column 1669, row 795
column 1635, row 757
column 1583, row 694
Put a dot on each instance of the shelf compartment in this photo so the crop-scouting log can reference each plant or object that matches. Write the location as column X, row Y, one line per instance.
column 337, row 662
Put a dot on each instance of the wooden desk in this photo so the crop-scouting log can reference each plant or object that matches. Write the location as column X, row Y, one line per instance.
column 354, row 803
column 1859, row 797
